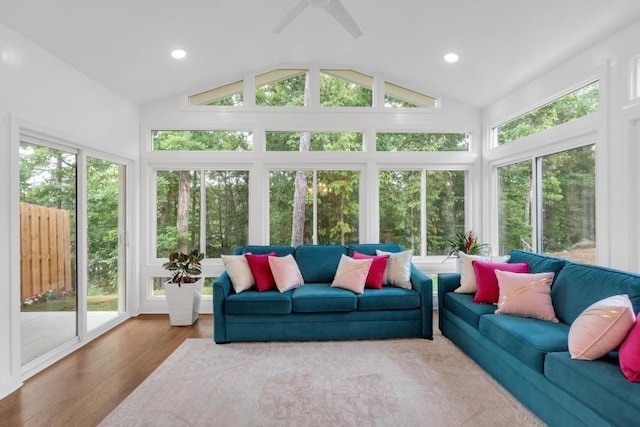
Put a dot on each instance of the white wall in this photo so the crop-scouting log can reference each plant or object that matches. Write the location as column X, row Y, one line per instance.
column 40, row 90
column 615, row 128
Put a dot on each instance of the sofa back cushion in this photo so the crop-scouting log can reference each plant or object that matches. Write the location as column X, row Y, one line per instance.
column 318, row 263
column 370, row 248
column 538, row 263
column 577, row 286
column 261, row 250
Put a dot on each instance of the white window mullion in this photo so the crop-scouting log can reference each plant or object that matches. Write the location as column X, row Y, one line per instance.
column 82, row 238
column 423, row 213
column 203, row 212
column 315, row 207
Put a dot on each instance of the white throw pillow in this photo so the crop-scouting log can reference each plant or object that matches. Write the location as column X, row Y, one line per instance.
column 398, row 271
column 239, row 271
column 285, row 272
column 467, row 273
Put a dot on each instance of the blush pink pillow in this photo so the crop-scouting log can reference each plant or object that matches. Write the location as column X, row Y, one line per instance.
column 351, row 274
column 261, row 270
column 601, row 328
column 286, row 272
column 487, row 282
column 629, row 355
column 376, row 272
column 526, row 295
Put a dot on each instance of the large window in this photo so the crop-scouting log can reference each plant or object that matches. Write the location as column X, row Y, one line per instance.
column 204, row 209
column 314, row 207
column 548, row 205
column 421, row 209
column 401, row 141
column 576, row 104
column 314, row 141
column 328, row 87
column 202, row 140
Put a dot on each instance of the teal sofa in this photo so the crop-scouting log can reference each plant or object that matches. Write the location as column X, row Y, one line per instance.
column 530, row 357
column 316, row 311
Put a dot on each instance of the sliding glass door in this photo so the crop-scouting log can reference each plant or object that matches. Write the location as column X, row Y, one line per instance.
column 71, row 204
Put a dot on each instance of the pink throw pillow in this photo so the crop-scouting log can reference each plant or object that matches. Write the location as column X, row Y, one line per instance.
column 487, row 282
column 526, row 295
column 629, row 355
column 286, row 272
column 376, row 271
column 351, row 274
column 261, row 270
column 601, row 328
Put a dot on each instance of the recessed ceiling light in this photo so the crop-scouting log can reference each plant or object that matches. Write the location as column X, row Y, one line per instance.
column 451, row 57
column 178, row 53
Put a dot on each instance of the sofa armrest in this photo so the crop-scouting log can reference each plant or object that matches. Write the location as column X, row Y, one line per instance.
column 446, row 283
column 424, row 286
column 221, row 290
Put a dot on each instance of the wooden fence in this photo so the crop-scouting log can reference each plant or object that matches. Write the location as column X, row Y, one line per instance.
column 45, row 249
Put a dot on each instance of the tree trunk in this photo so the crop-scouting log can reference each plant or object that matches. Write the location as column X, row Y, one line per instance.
column 300, row 187
column 184, row 198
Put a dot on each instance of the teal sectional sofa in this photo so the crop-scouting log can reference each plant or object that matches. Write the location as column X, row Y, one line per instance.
column 530, row 357
column 316, row 311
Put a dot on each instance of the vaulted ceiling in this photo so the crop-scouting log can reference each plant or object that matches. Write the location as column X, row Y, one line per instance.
column 125, row 44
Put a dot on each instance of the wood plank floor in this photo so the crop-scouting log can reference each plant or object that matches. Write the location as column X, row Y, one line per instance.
column 84, row 387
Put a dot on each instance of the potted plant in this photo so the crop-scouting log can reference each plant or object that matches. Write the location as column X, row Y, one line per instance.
column 184, row 290
column 465, row 242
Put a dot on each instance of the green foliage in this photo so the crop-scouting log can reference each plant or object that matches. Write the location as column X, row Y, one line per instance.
column 336, row 92
column 285, row 93
column 200, row 140
column 320, row 141
column 183, row 266
column 465, row 242
column 577, row 104
column 401, row 141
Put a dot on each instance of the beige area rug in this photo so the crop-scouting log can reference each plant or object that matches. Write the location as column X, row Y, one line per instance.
column 405, row 382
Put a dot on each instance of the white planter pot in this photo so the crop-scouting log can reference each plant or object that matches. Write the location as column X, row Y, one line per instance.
column 184, row 302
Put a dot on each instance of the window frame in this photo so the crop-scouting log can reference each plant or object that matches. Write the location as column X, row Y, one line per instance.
column 493, row 128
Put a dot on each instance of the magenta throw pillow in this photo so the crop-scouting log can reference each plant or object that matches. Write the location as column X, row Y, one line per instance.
column 629, row 354
column 261, row 270
column 376, row 271
column 487, row 282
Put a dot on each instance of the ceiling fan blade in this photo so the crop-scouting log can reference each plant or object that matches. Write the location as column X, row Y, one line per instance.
column 293, row 13
column 340, row 14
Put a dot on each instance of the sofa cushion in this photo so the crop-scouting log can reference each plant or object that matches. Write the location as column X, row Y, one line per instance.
column 527, row 339
column 388, row 298
column 398, row 270
column 629, row 354
column 526, row 295
column 601, row 328
column 321, row 297
column 352, row 274
column 462, row 305
column 370, row 248
column 254, row 302
column 487, row 282
column 318, row 263
column 261, row 250
column 598, row 383
column 377, row 269
column 578, row 286
column 538, row 263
